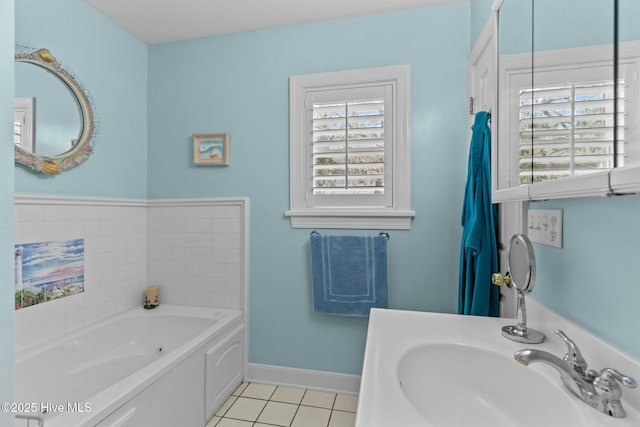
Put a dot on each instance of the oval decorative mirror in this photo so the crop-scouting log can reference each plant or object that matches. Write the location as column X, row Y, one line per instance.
column 60, row 134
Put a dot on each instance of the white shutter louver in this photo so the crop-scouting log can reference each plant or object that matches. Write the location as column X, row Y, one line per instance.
column 17, row 133
column 348, row 147
column 567, row 130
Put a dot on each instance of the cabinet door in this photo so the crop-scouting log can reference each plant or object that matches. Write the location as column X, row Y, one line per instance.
column 482, row 82
column 560, row 107
column 224, row 370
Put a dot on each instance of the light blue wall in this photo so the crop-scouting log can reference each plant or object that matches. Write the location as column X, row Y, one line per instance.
column 551, row 29
column 238, row 83
column 594, row 278
column 554, row 30
column 481, row 12
column 515, row 29
column 6, row 206
column 112, row 65
column 628, row 12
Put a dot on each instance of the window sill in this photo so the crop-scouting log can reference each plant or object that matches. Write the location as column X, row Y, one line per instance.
column 514, row 194
column 626, row 180
column 351, row 218
column 593, row 185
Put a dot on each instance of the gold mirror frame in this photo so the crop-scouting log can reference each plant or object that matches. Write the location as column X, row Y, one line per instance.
column 84, row 147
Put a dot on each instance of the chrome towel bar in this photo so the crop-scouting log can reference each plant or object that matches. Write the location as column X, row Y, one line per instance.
column 382, row 233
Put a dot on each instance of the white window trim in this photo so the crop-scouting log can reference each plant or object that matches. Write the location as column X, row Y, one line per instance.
column 626, row 180
column 396, row 216
column 25, row 108
column 614, row 181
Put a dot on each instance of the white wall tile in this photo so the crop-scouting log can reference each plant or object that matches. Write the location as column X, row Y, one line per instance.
column 202, row 245
column 115, row 239
column 193, row 253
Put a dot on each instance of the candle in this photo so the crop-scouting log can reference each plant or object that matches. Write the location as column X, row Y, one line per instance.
column 152, row 294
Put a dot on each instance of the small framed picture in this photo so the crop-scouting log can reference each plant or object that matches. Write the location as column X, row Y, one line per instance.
column 211, row 148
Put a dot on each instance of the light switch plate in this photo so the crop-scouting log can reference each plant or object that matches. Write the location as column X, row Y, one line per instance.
column 545, row 226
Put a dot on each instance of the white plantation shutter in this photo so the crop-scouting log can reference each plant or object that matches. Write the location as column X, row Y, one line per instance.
column 350, row 146
column 565, row 125
column 566, row 131
column 350, row 150
column 566, row 128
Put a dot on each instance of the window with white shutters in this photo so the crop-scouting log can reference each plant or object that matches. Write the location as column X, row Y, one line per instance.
column 349, row 149
column 348, row 146
column 557, row 125
column 568, row 130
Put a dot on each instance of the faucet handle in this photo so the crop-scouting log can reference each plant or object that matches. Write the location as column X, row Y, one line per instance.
column 609, row 376
column 573, row 357
column 607, row 387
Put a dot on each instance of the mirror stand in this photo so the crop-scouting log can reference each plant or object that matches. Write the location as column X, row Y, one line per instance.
column 520, row 332
column 522, row 275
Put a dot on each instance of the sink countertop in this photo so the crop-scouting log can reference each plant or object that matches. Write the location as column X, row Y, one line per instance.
column 392, row 333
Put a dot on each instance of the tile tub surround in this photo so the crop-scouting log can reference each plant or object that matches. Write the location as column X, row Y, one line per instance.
column 194, row 250
column 197, row 251
column 115, row 260
column 267, row 405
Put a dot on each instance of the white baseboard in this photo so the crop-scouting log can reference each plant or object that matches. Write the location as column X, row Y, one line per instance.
column 303, row 378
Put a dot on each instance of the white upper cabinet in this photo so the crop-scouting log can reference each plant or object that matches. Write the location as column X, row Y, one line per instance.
column 626, row 177
column 566, row 126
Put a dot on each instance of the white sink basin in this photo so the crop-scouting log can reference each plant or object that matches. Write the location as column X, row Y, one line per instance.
column 445, row 370
column 457, row 385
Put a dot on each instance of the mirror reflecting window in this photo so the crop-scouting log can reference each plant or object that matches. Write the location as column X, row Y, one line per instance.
column 24, row 123
column 54, row 110
column 571, row 127
column 515, row 71
column 55, row 131
column 628, row 70
column 565, row 119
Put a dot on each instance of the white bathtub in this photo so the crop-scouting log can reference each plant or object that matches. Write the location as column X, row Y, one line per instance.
column 168, row 367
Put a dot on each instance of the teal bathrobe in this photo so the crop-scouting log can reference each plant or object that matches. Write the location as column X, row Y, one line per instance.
column 478, row 252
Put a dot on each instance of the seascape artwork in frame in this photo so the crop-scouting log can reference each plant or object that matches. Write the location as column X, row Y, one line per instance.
column 211, row 149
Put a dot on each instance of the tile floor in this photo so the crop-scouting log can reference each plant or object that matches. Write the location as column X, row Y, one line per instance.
column 263, row 405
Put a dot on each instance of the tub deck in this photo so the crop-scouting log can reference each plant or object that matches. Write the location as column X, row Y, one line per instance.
column 90, row 372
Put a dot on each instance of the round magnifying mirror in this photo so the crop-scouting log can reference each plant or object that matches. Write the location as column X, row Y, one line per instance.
column 522, row 263
column 522, row 269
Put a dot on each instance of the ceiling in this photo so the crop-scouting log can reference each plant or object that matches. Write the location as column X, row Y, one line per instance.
column 157, row 21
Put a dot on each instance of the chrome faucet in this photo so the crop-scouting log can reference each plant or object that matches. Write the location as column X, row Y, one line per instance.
column 599, row 390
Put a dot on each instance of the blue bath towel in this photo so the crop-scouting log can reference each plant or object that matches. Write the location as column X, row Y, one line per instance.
column 349, row 274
